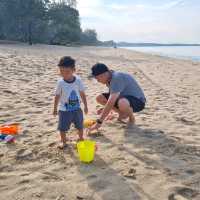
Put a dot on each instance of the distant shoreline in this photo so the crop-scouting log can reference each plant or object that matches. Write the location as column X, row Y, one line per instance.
column 156, row 45
column 108, row 44
column 178, row 52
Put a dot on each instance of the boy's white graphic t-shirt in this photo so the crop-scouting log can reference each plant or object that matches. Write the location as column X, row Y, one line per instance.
column 69, row 93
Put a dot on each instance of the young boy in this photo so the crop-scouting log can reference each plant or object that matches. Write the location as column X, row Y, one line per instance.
column 69, row 91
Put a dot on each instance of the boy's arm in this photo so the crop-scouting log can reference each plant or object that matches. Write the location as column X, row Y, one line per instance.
column 56, row 101
column 84, row 99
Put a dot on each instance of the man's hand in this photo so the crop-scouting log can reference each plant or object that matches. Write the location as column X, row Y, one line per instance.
column 96, row 126
column 86, row 110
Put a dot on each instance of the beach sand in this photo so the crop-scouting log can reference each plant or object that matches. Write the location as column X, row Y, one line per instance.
column 157, row 159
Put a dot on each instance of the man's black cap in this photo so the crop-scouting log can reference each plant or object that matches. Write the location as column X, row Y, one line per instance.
column 99, row 68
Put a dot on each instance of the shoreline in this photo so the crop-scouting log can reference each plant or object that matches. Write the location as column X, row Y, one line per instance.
column 159, row 54
column 180, row 57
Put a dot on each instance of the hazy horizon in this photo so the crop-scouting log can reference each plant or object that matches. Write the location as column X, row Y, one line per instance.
column 142, row 21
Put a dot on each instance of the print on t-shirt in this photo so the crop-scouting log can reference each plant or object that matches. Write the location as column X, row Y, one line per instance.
column 73, row 102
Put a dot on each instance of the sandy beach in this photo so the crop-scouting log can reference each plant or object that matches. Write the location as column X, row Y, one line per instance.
column 157, row 159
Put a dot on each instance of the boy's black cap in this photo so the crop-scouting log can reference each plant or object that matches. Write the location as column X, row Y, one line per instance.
column 99, row 68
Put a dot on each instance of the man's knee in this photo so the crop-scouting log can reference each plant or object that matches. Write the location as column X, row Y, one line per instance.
column 123, row 104
column 101, row 99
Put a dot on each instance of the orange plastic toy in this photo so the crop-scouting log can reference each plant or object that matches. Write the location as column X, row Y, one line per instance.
column 11, row 129
column 89, row 122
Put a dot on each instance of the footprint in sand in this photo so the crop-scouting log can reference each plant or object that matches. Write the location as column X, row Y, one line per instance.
column 131, row 174
column 61, row 197
column 52, row 144
column 50, row 124
column 2, row 177
column 185, row 121
column 183, row 193
column 48, row 176
column 47, row 120
column 38, row 112
column 36, row 143
column 9, row 92
column 24, row 181
column 30, row 125
column 190, row 172
column 25, row 131
column 100, row 184
column 92, row 177
column 25, row 174
column 24, row 154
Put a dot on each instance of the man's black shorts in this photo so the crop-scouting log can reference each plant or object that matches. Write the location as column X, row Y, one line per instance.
column 136, row 104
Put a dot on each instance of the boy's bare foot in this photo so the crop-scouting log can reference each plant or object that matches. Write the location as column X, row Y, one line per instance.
column 62, row 146
column 80, row 139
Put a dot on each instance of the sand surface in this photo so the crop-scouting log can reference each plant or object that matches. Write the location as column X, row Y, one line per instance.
column 158, row 159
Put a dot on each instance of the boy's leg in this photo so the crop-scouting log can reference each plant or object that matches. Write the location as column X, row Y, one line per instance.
column 78, row 122
column 65, row 119
column 80, row 134
column 63, row 139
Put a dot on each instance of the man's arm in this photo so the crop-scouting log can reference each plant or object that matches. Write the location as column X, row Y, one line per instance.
column 109, row 105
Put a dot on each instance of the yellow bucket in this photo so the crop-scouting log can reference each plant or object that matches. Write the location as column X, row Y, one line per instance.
column 86, row 150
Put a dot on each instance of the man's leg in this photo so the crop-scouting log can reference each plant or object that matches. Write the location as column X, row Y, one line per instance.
column 126, row 110
column 101, row 99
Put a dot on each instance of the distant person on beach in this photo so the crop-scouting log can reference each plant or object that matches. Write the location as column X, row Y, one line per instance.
column 125, row 96
column 68, row 94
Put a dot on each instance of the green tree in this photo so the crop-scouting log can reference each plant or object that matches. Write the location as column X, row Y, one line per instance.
column 22, row 19
column 43, row 21
column 64, row 24
column 32, row 16
column 89, row 36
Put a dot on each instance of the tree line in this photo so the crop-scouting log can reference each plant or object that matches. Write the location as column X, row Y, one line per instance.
column 43, row 21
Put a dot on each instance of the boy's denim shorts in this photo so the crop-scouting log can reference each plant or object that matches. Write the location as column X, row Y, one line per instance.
column 66, row 118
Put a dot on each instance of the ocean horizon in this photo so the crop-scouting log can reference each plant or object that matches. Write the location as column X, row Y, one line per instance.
column 180, row 52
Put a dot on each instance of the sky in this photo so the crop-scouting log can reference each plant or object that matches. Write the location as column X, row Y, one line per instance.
column 163, row 21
